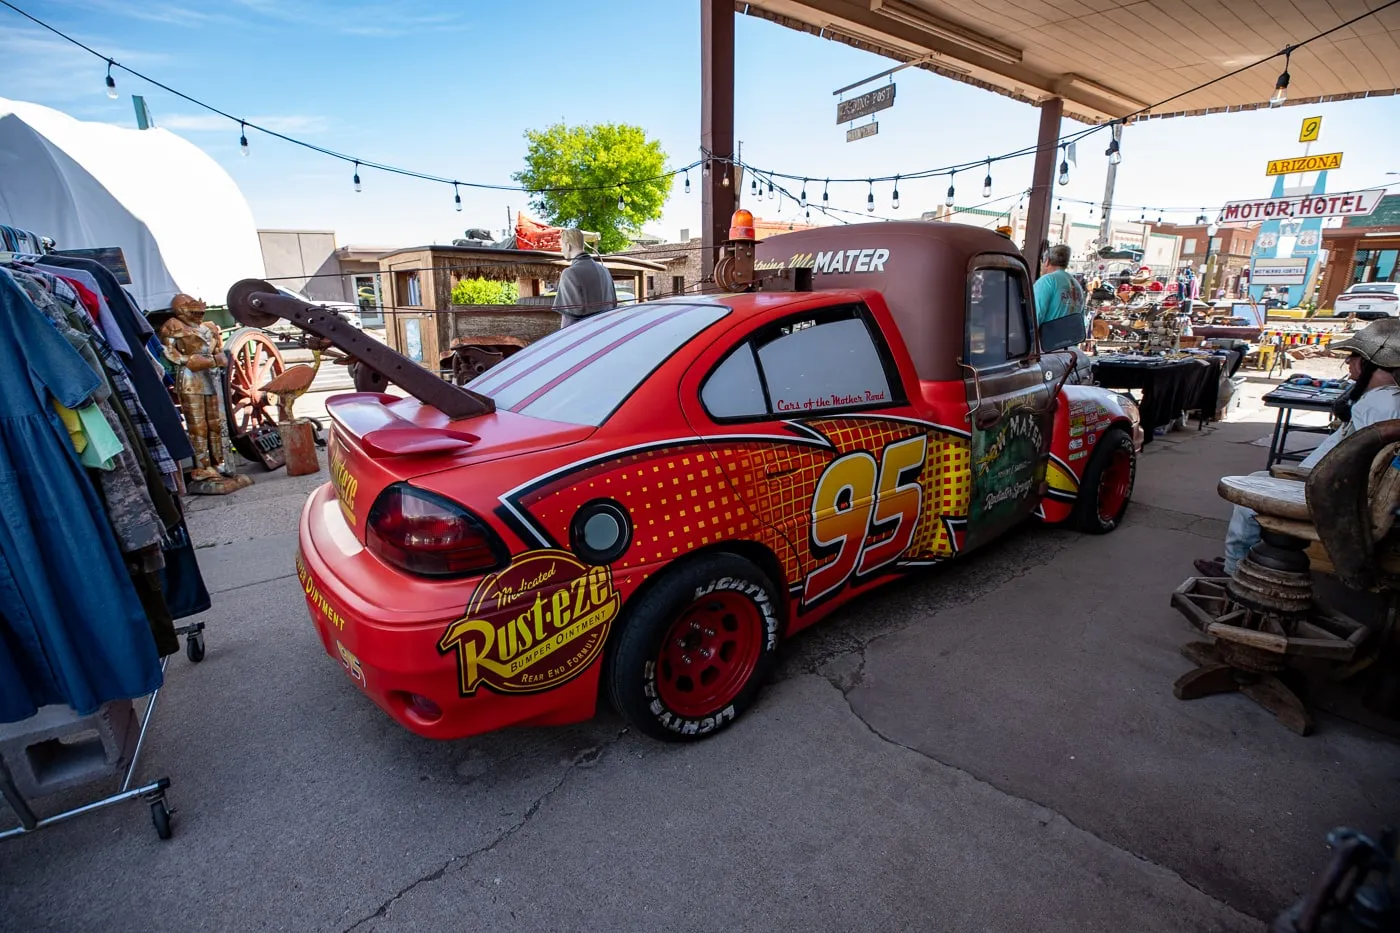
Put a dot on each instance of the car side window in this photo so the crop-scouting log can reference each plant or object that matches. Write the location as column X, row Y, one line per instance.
column 734, row 389
column 998, row 327
column 829, row 360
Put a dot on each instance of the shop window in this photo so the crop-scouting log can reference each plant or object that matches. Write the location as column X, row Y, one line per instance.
column 408, row 289
column 677, row 284
column 827, row 361
column 998, row 326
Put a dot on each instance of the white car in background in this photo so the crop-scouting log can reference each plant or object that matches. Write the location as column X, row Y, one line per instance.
column 288, row 332
column 1368, row 300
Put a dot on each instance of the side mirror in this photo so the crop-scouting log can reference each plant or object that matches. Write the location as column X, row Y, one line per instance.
column 1062, row 332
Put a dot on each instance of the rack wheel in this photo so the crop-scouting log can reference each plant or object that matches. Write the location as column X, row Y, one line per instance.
column 160, row 815
column 194, row 647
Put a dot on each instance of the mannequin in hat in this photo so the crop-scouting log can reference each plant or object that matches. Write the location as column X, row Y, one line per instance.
column 195, row 347
column 585, row 287
column 1374, row 397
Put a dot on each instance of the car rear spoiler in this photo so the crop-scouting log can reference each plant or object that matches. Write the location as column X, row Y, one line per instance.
column 256, row 303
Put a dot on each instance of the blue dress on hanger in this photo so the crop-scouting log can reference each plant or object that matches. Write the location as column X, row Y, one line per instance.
column 72, row 629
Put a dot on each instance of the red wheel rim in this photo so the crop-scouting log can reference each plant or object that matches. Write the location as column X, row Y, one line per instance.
column 1115, row 484
column 708, row 654
column 255, row 361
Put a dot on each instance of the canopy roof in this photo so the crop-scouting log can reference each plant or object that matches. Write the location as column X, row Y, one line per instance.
column 180, row 220
column 1109, row 58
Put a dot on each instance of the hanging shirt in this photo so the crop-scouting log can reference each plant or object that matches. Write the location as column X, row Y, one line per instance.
column 1057, row 294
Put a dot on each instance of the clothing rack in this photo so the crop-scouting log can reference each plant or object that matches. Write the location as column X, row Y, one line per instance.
column 35, row 745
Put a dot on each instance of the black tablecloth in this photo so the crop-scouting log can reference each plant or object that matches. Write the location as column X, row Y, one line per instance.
column 1169, row 387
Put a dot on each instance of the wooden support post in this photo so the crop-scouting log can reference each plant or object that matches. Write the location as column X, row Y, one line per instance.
column 716, row 126
column 1043, row 182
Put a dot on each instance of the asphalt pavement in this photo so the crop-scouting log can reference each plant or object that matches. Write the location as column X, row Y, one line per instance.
column 992, row 745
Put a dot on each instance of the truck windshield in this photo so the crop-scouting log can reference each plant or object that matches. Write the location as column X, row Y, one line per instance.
column 580, row 375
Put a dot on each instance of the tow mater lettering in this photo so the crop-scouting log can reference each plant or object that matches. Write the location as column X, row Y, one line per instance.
column 851, row 260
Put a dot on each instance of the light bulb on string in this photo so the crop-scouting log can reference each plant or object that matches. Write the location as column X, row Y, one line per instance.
column 1064, row 168
column 456, row 197
column 1159, row 219
column 870, row 198
column 802, row 199
column 770, row 188
column 243, row 137
column 1281, row 86
column 809, row 214
column 894, row 201
column 753, row 186
column 948, row 201
column 687, row 183
column 111, row 81
column 621, row 204
column 987, row 184
column 1114, row 154
column 724, row 181
column 357, row 176
column 705, row 169
column 825, row 199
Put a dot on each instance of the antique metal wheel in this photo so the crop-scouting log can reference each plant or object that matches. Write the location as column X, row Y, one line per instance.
column 254, row 360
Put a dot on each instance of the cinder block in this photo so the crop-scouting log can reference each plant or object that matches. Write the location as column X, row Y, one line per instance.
column 56, row 749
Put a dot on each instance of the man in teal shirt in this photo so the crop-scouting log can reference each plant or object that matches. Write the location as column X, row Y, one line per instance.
column 1057, row 293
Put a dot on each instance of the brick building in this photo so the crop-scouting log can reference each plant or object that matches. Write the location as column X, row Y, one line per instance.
column 1362, row 249
column 1224, row 257
column 682, row 259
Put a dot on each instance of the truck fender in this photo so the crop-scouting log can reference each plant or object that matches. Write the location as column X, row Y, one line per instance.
column 1082, row 415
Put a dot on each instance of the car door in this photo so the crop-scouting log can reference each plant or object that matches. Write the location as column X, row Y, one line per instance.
column 812, row 419
column 1008, row 393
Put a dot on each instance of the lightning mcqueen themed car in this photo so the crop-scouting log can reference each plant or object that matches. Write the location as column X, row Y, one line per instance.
column 654, row 498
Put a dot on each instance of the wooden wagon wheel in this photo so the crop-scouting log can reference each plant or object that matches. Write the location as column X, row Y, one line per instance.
column 254, row 361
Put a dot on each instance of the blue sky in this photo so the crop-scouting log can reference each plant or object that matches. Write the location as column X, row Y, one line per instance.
column 450, row 89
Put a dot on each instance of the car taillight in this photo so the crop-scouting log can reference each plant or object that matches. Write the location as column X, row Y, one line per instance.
column 426, row 534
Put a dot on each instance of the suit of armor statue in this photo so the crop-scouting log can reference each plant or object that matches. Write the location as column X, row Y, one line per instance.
column 195, row 346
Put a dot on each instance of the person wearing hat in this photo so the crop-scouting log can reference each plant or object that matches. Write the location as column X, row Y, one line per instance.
column 1374, row 397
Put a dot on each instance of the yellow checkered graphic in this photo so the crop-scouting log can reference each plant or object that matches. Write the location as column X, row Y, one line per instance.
column 947, row 482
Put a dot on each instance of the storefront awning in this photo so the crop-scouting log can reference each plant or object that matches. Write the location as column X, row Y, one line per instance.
column 1110, row 58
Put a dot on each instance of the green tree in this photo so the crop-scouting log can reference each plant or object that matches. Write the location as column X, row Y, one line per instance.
column 484, row 292
column 598, row 158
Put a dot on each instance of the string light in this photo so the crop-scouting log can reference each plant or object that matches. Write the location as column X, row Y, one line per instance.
column 456, row 197
column 687, row 183
column 725, row 180
column 948, row 201
column 1064, row 167
column 826, row 200
column 1114, row 156
column 753, row 186
column 870, row 198
column 357, row 177
column 111, row 81
column 705, row 172
column 1159, row 219
column 770, row 188
column 1281, row 86
column 987, row 184
column 243, row 137
column 894, row 202
column 802, row 200
column 621, row 204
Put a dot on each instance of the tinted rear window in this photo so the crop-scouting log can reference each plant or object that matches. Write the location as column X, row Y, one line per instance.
column 580, row 375
column 1384, row 287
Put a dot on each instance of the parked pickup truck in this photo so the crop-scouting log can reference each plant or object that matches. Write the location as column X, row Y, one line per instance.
column 644, row 505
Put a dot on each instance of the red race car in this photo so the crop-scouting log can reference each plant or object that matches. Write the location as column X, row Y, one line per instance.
column 646, row 503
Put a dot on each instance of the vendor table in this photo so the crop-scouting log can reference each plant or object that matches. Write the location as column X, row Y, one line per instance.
column 1169, row 386
column 1288, row 399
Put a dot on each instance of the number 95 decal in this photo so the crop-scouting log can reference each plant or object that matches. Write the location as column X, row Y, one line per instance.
column 856, row 500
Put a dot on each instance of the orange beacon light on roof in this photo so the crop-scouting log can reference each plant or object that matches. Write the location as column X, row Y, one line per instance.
column 741, row 225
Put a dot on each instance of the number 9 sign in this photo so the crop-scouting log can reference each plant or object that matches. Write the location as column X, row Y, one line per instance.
column 853, row 501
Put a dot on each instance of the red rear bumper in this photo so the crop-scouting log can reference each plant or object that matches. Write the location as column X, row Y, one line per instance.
column 383, row 627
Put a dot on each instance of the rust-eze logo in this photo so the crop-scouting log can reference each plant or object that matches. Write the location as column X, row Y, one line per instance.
column 345, row 482
column 534, row 625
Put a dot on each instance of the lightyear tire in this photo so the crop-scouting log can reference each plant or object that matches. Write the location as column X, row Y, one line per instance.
column 696, row 648
column 1106, row 487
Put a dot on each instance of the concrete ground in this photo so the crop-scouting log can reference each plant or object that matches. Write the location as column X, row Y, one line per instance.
column 989, row 746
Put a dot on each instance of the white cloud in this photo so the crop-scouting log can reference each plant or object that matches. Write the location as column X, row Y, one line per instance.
column 211, row 122
column 374, row 19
